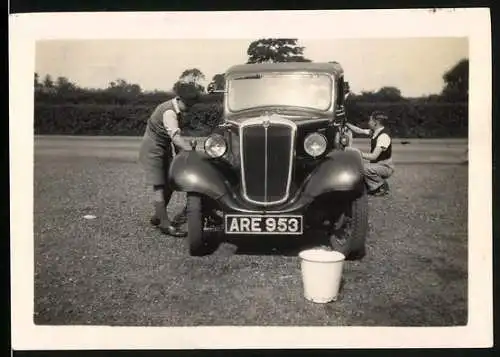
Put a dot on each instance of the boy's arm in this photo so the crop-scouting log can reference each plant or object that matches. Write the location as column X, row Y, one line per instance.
column 171, row 125
column 383, row 143
column 358, row 130
column 373, row 155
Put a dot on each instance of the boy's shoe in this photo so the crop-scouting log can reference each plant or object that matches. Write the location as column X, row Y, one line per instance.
column 171, row 230
column 381, row 191
column 160, row 219
column 180, row 218
column 155, row 220
column 357, row 255
column 160, row 213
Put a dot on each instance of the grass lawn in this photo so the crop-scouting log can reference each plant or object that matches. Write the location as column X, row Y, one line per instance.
column 118, row 270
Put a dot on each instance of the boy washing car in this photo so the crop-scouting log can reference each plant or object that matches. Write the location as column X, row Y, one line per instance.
column 378, row 166
column 161, row 139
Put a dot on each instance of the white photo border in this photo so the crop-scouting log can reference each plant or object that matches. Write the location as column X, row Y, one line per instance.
column 26, row 29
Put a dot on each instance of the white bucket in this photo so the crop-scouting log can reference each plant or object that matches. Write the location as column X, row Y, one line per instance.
column 321, row 274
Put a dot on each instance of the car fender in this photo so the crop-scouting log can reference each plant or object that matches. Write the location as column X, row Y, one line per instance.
column 340, row 171
column 191, row 171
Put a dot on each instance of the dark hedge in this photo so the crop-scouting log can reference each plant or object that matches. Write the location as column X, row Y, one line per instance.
column 407, row 119
column 417, row 119
column 120, row 120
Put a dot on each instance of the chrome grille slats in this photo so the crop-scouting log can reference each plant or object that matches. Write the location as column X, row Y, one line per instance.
column 267, row 151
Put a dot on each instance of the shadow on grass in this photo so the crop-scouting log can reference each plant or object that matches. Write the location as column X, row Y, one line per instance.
column 276, row 245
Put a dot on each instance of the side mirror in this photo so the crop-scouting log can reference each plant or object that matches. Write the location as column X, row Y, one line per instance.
column 211, row 89
column 224, row 125
column 347, row 90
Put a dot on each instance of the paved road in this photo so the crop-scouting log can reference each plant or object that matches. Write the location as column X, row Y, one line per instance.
column 415, row 151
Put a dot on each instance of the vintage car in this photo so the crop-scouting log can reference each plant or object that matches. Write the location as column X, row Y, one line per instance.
column 279, row 164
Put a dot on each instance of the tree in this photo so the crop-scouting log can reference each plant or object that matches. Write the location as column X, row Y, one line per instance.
column 122, row 86
column 48, row 82
column 457, row 81
column 47, row 85
column 37, row 80
column 275, row 50
column 218, row 82
column 389, row 94
column 63, row 85
column 192, row 77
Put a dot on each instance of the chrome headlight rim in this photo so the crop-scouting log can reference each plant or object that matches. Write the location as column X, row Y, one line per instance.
column 211, row 139
column 344, row 140
column 317, row 135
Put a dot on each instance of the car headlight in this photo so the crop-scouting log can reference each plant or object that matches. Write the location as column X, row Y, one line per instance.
column 315, row 144
column 215, row 146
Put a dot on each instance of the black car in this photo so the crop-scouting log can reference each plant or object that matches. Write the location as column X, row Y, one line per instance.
column 279, row 164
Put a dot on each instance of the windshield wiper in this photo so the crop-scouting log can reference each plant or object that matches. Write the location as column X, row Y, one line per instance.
column 256, row 76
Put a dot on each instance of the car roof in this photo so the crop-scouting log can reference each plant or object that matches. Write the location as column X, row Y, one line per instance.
column 333, row 68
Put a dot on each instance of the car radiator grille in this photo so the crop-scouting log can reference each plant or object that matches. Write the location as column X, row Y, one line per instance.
column 266, row 162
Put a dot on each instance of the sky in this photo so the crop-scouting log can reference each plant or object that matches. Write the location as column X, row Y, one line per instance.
column 414, row 65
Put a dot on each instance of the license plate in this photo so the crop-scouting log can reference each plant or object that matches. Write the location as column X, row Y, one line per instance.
column 263, row 224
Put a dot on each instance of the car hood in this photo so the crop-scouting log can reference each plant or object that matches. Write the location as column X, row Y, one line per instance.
column 293, row 114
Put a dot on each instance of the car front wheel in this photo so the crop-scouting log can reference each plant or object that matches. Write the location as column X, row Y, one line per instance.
column 199, row 242
column 349, row 235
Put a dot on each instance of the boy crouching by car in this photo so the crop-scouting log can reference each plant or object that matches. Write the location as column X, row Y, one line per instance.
column 378, row 166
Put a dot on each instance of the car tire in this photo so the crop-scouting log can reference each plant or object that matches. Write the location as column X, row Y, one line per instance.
column 199, row 242
column 194, row 211
column 353, row 246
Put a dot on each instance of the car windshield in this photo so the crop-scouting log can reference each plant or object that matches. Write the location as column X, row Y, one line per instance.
column 312, row 91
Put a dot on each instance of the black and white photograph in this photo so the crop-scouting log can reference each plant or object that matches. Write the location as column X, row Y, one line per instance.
column 250, row 180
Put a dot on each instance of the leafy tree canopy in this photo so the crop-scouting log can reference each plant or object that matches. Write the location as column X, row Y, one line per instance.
column 457, row 81
column 275, row 50
column 192, row 77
